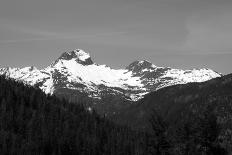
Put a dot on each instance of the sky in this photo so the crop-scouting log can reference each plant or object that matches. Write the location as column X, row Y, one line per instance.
column 181, row 34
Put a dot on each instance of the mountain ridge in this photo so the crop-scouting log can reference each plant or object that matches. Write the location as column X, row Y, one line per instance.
column 76, row 72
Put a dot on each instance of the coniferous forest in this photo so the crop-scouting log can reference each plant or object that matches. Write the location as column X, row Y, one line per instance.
column 32, row 122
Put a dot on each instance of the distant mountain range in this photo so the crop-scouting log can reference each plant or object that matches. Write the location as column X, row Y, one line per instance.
column 75, row 76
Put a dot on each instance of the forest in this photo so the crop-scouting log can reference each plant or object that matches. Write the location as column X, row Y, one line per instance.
column 32, row 122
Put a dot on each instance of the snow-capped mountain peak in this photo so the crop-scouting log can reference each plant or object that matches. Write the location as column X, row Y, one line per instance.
column 79, row 55
column 75, row 71
column 138, row 66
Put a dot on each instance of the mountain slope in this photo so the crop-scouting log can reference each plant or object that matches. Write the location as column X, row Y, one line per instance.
column 176, row 103
column 186, row 110
column 32, row 122
column 75, row 76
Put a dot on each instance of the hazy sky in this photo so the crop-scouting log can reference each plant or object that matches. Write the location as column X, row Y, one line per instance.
column 177, row 33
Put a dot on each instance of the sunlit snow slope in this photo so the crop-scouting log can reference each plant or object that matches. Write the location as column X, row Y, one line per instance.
column 75, row 70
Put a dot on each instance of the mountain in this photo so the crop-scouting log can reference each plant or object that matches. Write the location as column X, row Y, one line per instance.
column 189, row 111
column 75, row 76
column 176, row 103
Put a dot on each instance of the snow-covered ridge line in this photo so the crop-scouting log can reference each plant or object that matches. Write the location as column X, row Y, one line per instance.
column 75, row 70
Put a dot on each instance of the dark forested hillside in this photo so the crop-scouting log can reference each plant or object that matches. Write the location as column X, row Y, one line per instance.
column 34, row 123
column 186, row 119
column 194, row 109
column 176, row 102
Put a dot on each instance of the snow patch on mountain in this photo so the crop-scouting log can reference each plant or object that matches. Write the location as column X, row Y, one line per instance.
column 97, row 74
column 195, row 75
